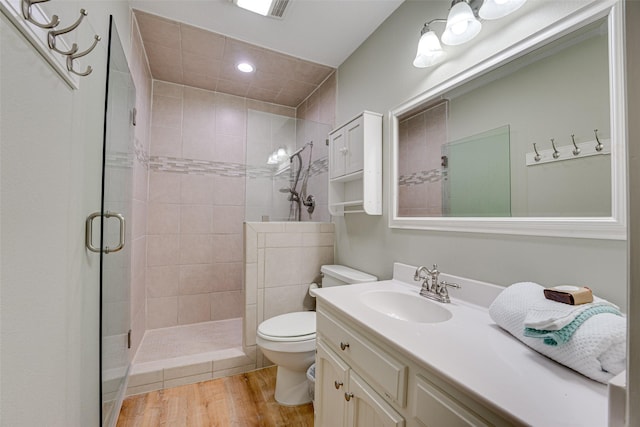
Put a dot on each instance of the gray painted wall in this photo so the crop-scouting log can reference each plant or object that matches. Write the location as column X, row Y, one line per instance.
column 379, row 76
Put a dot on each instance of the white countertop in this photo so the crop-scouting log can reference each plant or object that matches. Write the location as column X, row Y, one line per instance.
column 479, row 357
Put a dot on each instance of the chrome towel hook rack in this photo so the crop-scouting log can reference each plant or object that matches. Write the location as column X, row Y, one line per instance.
column 42, row 30
column 26, row 14
column 576, row 149
column 599, row 145
column 537, row 156
column 556, row 153
column 72, row 57
column 51, row 37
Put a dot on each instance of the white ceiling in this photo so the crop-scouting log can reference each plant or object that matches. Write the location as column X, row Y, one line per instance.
column 322, row 31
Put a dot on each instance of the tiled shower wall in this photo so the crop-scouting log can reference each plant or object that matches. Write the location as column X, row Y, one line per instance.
column 320, row 107
column 281, row 260
column 142, row 80
column 196, row 204
column 421, row 138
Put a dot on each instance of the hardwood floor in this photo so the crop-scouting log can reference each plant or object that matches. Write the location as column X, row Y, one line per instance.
column 238, row 401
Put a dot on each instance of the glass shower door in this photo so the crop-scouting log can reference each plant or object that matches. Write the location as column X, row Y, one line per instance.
column 115, row 253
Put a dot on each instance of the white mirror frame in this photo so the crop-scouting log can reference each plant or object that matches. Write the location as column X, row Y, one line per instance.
column 613, row 227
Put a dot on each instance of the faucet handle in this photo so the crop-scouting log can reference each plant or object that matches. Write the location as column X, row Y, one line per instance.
column 444, row 285
column 450, row 284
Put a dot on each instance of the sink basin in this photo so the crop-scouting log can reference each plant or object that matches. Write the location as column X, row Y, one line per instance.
column 407, row 307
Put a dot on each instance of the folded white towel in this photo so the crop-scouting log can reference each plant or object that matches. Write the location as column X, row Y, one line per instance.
column 553, row 316
column 597, row 349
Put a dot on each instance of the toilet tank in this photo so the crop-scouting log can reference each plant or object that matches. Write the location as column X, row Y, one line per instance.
column 338, row 275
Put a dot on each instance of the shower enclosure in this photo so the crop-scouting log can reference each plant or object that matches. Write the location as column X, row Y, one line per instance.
column 115, row 250
column 286, row 163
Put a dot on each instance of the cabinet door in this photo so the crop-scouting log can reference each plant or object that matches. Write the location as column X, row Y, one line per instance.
column 366, row 408
column 434, row 407
column 331, row 383
column 354, row 153
column 337, row 153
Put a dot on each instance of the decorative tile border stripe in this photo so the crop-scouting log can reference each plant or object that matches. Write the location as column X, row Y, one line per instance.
column 227, row 169
column 119, row 159
column 420, row 177
column 141, row 155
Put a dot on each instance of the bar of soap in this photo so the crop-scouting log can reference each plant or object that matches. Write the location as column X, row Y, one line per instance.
column 572, row 295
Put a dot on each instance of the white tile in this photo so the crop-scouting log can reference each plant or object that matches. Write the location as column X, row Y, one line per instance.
column 260, row 268
column 302, row 227
column 284, row 299
column 317, row 239
column 234, row 371
column 250, row 244
column 187, row 380
column 260, row 307
column 131, row 391
column 267, row 227
column 283, row 266
column 283, row 240
column 233, row 362
column 250, row 325
column 188, row 370
column 261, row 240
column 327, row 227
column 145, row 378
column 250, row 283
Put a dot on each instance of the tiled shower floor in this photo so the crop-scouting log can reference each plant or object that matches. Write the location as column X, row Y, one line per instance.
column 188, row 340
column 185, row 354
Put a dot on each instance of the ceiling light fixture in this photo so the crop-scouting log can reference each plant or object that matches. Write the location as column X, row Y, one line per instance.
column 462, row 25
column 245, row 67
column 270, row 8
column 261, row 7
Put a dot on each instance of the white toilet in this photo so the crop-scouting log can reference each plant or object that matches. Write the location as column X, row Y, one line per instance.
column 289, row 340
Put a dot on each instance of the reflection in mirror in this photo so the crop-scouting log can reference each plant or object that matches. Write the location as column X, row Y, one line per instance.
column 469, row 152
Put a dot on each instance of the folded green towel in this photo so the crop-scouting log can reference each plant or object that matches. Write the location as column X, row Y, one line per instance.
column 563, row 335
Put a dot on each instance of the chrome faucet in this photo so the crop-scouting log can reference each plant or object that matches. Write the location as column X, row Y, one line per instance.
column 436, row 290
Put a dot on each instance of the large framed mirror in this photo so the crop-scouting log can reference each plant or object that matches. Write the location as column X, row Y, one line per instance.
column 531, row 141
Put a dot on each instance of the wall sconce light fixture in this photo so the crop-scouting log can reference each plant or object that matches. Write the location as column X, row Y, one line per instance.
column 462, row 25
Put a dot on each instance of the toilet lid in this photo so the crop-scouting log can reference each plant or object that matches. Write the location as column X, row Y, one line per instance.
column 286, row 325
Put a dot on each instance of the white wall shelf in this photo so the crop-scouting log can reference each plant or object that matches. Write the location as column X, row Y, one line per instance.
column 355, row 166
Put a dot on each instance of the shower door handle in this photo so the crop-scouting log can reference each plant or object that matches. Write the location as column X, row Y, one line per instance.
column 89, row 231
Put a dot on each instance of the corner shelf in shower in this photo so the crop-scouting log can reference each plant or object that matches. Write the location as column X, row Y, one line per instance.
column 355, row 166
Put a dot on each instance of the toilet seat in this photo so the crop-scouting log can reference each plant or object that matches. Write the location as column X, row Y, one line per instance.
column 297, row 326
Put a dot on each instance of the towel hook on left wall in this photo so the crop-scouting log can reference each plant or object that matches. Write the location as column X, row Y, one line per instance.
column 71, row 57
column 26, row 14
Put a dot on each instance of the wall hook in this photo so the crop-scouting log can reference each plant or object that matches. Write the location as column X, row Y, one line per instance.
column 72, row 57
column 26, row 13
column 51, row 38
column 537, row 156
column 599, row 145
column 576, row 150
column 556, row 153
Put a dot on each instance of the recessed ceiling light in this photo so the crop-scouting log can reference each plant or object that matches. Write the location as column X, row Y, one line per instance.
column 258, row 6
column 245, row 67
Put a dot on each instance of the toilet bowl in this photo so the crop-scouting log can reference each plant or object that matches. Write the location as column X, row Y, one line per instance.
column 289, row 340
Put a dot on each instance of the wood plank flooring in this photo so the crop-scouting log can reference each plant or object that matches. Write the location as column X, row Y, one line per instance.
column 244, row 400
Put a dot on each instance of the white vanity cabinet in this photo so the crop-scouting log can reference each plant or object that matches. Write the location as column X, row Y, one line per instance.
column 355, row 166
column 361, row 381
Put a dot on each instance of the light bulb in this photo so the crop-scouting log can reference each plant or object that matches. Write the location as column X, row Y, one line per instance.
column 429, row 50
column 496, row 9
column 462, row 25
